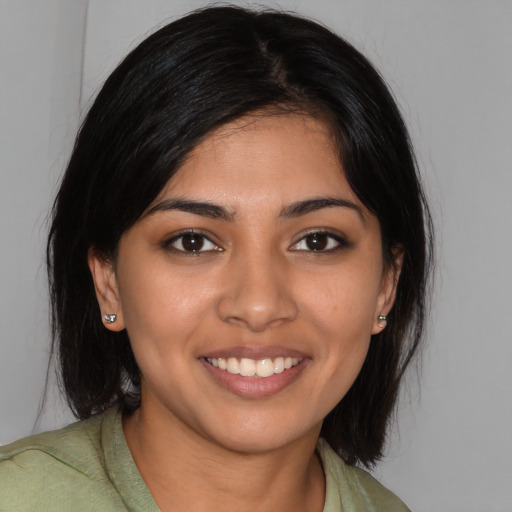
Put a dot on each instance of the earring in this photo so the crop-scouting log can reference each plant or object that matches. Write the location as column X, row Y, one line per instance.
column 110, row 319
column 382, row 320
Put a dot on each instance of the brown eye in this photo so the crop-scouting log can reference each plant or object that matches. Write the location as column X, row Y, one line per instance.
column 319, row 241
column 192, row 243
column 316, row 241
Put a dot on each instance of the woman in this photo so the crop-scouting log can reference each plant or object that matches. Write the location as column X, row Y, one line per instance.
column 238, row 261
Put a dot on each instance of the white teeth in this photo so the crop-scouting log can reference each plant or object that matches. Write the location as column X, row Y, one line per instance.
column 279, row 365
column 247, row 367
column 265, row 367
column 233, row 366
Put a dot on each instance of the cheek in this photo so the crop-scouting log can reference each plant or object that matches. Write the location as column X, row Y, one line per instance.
column 149, row 291
column 160, row 325
column 344, row 303
column 342, row 310
column 163, row 310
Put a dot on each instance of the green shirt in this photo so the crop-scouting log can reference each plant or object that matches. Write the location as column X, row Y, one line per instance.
column 87, row 466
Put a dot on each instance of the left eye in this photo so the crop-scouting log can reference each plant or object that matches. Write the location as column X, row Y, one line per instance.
column 191, row 242
column 319, row 242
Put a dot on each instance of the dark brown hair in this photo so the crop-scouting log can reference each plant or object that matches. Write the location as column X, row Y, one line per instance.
column 182, row 82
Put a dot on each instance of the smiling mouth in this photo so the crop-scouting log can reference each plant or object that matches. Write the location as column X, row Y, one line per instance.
column 255, row 368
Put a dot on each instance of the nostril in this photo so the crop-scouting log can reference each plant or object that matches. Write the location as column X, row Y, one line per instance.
column 256, row 316
column 256, row 292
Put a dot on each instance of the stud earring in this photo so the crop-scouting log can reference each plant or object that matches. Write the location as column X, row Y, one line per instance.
column 110, row 319
column 382, row 320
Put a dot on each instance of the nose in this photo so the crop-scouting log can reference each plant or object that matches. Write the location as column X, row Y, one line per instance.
column 258, row 295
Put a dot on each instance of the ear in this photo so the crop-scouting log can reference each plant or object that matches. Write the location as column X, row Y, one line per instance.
column 107, row 291
column 388, row 287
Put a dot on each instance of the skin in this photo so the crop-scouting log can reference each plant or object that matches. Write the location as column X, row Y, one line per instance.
column 256, row 285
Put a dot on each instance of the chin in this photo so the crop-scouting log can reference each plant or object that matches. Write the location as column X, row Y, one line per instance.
column 263, row 437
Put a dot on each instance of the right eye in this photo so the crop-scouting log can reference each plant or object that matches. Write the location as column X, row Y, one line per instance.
column 191, row 242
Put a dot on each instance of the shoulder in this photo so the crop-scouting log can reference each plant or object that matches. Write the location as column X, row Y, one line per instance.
column 75, row 446
column 53, row 470
column 351, row 489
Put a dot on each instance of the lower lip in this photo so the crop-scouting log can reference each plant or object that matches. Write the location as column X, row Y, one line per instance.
column 255, row 387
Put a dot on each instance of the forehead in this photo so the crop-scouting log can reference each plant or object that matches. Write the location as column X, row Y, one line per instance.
column 263, row 154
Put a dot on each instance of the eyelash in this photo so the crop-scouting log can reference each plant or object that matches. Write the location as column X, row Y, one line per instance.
column 200, row 237
column 339, row 242
column 330, row 238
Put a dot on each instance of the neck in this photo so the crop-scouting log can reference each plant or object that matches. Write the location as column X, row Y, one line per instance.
column 185, row 471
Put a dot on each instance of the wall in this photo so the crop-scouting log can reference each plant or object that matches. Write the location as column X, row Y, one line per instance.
column 448, row 64
column 40, row 57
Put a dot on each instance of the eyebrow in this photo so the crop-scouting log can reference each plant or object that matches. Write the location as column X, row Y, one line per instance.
column 216, row 212
column 311, row 205
column 202, row 208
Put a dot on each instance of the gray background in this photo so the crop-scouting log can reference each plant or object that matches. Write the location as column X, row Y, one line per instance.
column 449, row 65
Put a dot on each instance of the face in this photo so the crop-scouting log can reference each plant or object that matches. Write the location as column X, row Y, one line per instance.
column 251, row 286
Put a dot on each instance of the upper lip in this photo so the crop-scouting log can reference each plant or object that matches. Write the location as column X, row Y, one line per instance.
column 255, row 352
